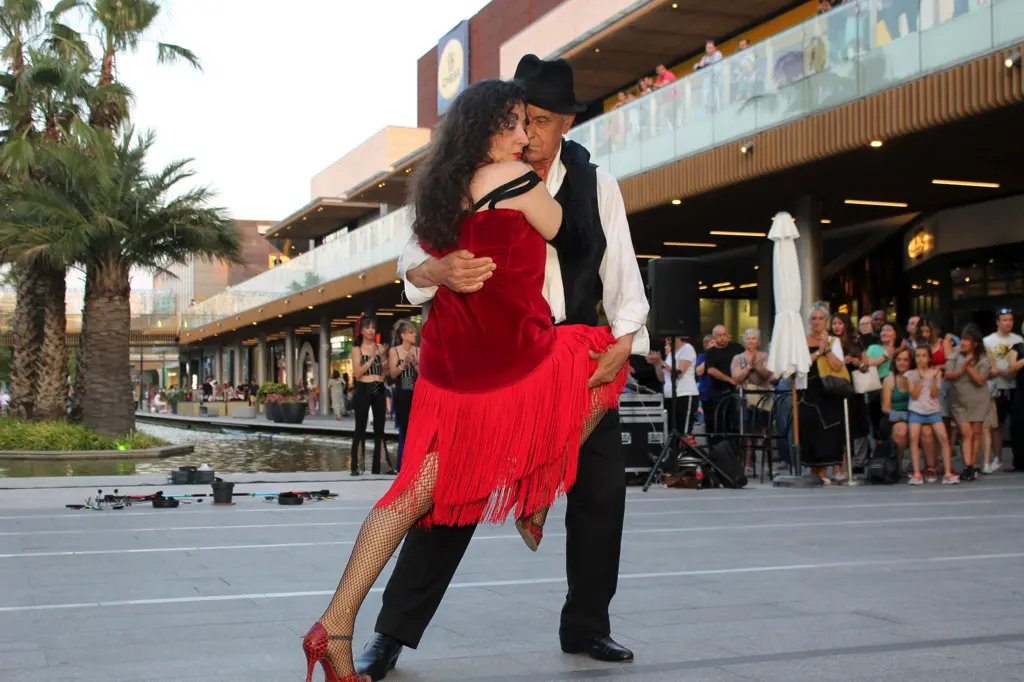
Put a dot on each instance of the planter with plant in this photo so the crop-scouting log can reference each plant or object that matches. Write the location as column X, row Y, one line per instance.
column 293, row 411
column 268, row 388
column 174, row 397
column 273, row 402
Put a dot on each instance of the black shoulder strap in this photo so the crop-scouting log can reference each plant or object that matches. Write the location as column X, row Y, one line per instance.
column 521, row 185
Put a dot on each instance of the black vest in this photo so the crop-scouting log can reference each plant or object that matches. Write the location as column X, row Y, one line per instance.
column 580, row 241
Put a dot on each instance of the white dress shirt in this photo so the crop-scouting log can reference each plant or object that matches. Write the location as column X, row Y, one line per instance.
column 625, row 299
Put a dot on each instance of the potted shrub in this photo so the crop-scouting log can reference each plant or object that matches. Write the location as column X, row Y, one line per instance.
column 273, row 402
column 268, row 388
column 293, row 411
column 173, row 398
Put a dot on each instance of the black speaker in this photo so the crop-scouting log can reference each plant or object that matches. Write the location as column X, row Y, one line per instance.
column 675, row 305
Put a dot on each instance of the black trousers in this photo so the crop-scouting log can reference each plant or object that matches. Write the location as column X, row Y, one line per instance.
column 684, row 407
column 593, row 523
column 367, row 397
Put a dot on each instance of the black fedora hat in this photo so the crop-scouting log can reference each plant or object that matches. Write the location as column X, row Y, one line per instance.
column 548, row 84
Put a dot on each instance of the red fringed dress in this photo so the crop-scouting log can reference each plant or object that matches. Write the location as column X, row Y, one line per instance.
column 502, row 393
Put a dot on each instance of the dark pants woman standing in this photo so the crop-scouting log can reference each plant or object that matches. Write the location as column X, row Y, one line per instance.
column 368, row 396
column 403, row 405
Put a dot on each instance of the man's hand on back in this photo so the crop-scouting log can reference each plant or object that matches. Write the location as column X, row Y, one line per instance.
column 460, row 271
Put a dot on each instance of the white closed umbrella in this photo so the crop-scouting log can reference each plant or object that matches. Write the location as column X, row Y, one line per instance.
column 789, row 356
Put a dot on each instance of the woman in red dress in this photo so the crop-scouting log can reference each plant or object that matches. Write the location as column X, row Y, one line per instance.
column 502, row 403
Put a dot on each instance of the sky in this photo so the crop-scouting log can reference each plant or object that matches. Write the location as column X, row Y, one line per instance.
column 286, row 88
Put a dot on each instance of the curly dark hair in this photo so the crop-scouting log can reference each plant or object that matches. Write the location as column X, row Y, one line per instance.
column 460, row 144
column 973, row 332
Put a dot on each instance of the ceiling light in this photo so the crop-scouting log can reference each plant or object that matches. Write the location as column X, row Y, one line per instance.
column 675, row 5
column 381, row 312
column 309, row 307
column 398, row 281
column 320, row 210
column 876, row 143
column 757, row 267
column 1012, row 60
column 703, row 287
column 966, row 183
column 747, row 147
column 826, row 221
column 862, row 202
column 721, row 284
column 597, row 49
column 647, row 256
column 348, row 296
column 676, row 202
column 280, row 315
column 408, row 170
column 722, row 233
column 727, row 289
column 254, row 324
column 749, row 285
column 701, row 245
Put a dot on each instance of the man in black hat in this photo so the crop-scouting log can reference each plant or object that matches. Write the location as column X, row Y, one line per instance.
column 590, row 260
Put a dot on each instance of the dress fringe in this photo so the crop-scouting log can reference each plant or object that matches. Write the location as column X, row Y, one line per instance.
column 509, row 450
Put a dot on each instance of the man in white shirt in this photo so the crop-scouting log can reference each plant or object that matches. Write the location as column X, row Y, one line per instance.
column 999, row 344
column 590, row 261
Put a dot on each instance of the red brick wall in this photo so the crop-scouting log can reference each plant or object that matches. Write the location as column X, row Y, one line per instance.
column 488, row 29
column 257, row 252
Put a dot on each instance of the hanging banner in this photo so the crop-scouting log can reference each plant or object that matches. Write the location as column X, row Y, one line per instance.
column 452, row 66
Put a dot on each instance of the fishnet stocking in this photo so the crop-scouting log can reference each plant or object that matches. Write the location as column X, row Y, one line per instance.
column 597, row 412
column 378, row 539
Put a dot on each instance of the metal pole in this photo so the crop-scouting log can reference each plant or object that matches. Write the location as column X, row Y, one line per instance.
column 849, row 445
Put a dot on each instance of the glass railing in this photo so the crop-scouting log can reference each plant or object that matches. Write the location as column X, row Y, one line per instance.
column 151, row 308
column 363, row 248
column 855, row 50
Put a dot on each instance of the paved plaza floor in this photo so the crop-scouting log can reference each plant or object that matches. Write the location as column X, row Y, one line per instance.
column 868, row 583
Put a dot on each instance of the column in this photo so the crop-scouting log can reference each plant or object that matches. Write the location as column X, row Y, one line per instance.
column 325, row 363
column 289, row 357
column 218, row 360
column 261, row 358
column 765, row 291
column 809, row 252
column 239, row 353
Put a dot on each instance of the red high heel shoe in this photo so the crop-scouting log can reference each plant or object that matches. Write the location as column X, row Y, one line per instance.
column 315, row 645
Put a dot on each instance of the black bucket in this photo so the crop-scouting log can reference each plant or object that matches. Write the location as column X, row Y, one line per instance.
column 222, row 492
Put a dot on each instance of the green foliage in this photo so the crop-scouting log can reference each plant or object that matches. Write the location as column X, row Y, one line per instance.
column 272, row 388
column 5, row 365
column 310, row 280
column 63, row 436
column 175, row 396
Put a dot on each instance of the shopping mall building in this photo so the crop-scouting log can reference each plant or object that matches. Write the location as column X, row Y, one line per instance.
column 891, row 132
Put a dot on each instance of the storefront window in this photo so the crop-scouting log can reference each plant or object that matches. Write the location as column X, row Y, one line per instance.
column 997, row 277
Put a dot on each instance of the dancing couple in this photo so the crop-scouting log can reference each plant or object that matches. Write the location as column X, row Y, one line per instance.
column 517, row 239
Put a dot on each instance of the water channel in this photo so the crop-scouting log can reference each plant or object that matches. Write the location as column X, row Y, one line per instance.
column 225, row 451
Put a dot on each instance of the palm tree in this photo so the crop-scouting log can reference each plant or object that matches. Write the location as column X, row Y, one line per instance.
column 106, row 205
column 120, row 26
column 47, row 86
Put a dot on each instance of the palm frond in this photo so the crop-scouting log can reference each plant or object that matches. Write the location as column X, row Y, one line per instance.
column 170, row 54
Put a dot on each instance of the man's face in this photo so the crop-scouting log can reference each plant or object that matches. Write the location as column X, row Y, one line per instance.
column 912, row 325
column 721, row 337
column 709, row 47
column 544, row 129
column 1006, row 323
column 877, row 320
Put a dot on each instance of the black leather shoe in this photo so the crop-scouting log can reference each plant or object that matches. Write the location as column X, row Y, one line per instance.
column 379, row 657
column 600, row 649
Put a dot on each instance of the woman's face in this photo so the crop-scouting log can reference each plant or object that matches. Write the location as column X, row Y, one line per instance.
column 409, row 336
column 926, row 332
column 751, row 341
column 967, row 345
column 838, row 326
column 369, row 330
column 923, row 358
column 888, row 334
column 818, row 320
column 902, row 362
column 509, row 142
